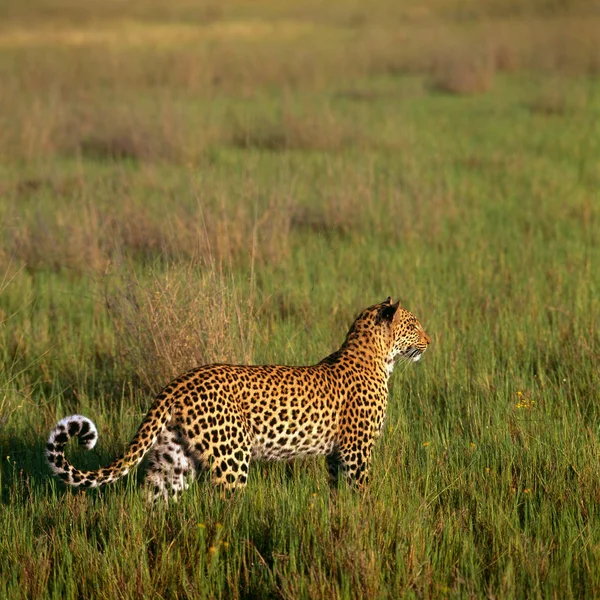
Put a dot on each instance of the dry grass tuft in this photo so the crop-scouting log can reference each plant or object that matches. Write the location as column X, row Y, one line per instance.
column 181, row 319
column 557, row 97
column 462, row 73
column 113, row 133
column 332, row 219
column 54, row 124
column 117, row 147
column 359, row 205
column 58, row 242
column 91, row 236
column 506, row 58
column 292, row 132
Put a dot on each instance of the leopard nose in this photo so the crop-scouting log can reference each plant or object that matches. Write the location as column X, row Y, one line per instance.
column 426, row 338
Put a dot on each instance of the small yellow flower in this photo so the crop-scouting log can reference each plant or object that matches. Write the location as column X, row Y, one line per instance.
column 225, row 545
column 472, row 445
column 425, row 444
column 487, row 469
column 524, row 402
column 527, row 491
column 314, row 495
column 212, row 549
column 219, row 525
column 201, row 526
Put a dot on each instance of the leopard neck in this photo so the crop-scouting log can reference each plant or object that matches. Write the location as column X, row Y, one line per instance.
column 361, row 352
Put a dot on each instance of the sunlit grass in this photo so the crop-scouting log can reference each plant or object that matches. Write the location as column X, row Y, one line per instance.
column 252, row 176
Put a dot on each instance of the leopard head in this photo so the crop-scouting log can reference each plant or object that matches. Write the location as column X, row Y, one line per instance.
column 406, row 337
column 388, row 332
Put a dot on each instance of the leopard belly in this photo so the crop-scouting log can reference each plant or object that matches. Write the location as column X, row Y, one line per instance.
column 289, row 429
column 292, row 443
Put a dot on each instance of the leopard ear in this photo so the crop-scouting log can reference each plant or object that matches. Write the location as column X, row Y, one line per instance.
column 388, row 300
column 387, row 312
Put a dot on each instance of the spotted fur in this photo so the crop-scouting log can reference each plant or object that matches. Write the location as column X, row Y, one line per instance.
column 219, row 417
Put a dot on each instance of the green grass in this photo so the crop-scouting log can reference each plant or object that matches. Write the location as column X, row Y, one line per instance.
column 170, row 200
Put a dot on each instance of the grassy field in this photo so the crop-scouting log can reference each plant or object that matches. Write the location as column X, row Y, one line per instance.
column 185, row 182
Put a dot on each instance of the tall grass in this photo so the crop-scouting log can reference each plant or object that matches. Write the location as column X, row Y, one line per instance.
column 181, row 319
column 226, row 182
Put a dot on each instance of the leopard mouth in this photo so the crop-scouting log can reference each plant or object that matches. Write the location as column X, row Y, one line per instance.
column 414, row 354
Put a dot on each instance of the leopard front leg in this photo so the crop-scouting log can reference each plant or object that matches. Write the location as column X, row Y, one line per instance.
column 333, row 467
column 351, row 457
column 351, row 462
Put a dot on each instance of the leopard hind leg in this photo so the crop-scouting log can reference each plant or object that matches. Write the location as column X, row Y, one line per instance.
column 170, row 466
column 226, row 460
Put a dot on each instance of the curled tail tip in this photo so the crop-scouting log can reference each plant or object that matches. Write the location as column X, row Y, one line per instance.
column 74, row 426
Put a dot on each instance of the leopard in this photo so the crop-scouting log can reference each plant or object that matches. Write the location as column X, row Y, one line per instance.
column 217, row 418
